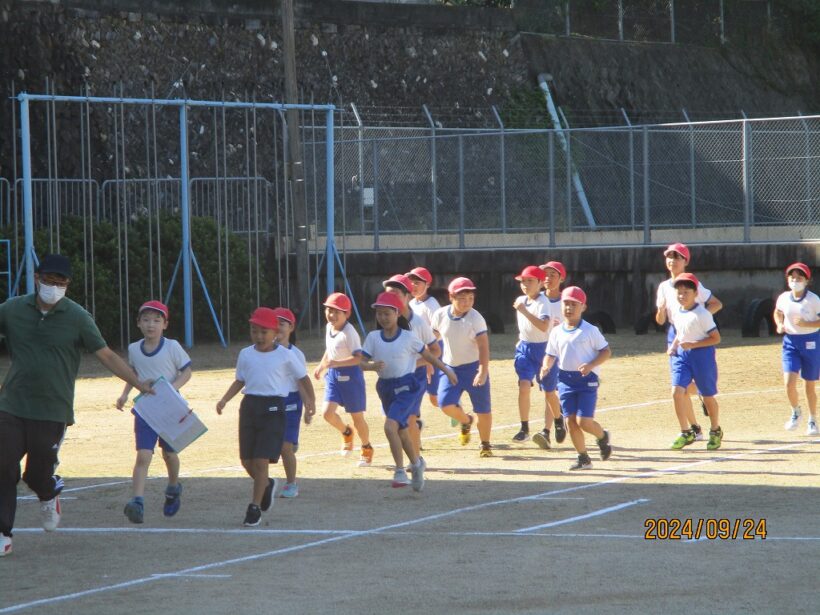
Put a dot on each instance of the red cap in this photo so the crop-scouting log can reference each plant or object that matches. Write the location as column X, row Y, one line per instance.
column 388, row 300
column 421, row 273
column 531, row 271
column 459, row 284
column 157, row 307
column 399, row 280
column 264, row 317
column 338, row 301
column 687, row 277
column 285, row 314
column 800, row 267
column 679, row 248
column 573, row 293
column 559, row 267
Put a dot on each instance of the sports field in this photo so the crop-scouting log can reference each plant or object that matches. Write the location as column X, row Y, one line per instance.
column 514, row 533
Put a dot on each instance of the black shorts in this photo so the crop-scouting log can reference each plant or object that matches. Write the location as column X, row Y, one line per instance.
column 261, row 427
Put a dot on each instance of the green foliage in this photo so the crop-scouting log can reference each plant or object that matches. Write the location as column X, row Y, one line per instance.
column 111, row 284
column 804, row 19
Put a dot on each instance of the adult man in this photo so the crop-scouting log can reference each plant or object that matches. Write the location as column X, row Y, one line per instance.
column 44, row 333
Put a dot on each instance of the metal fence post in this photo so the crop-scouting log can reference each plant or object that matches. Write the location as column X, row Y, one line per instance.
column 747, row 181
column 185, row 208
column 360, row 144
column 567, row 28
column 375, row 195
column 551, row 172
column 646, row 233
column 620, row 20
column 460, row 191
column 433, row 173
column 672, row 21
column 631, row 170
column 503, row 165
column 28, row 211
column 809, row 199
column 692, row 198
column 722, row 25
column 569, row 180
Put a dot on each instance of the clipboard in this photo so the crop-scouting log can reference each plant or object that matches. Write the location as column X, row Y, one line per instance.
column 167, row 413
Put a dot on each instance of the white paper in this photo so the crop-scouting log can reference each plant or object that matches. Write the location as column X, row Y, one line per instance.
column 167, row 413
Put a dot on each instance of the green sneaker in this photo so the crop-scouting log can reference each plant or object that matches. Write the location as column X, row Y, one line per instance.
column 684, row 439
column 715, row 438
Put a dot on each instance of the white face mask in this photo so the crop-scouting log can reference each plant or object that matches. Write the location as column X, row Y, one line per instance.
column 50, row 294
column 797, row 286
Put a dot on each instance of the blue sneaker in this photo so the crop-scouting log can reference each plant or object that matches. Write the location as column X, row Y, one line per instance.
column 172, row 502
column 290, row 490
column 134, row 510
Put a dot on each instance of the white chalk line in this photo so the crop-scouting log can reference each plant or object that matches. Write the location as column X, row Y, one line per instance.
column 386, row 528
column 589, row 515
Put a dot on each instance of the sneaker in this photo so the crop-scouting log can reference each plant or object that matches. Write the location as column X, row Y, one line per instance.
column 464, row 436
column 418, row 475
column 791, row 424
column 423, row 463
column 172, row 501
column 811, row 429
column 604, row 446
column 252, row 516
column 560, row 431
column 684, row 439
column 521, row 436
column 486, row 451
column 367, row 457
column 400, row 479
column 5, row 545
column 715, row 438
column 267, row 497
column 290, row 490
column 50, row 513
column 583, row 463
column 347, row 442
column 698, row 431
column 542, row 439
column 134, row 510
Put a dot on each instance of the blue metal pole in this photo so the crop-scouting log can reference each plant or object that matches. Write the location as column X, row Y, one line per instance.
column 28, row 214
column 331, row 222
column 187, row 285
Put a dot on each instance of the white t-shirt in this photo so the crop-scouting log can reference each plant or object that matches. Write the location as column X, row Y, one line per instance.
column 166, row 361
column 693, row 325
column 667, row 295
column 573, row 347
column 807, row 308
column 421, row 328
column 556, row 315
column 269, row 373
column 540, row 308
column 399, row 354
column 342, row 344
column 294, row 388
column 425, row 308
column 459, row 335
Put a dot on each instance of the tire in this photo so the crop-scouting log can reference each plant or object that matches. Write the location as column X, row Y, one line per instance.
column 757, row 319
column 643, row 323
column 602, row 320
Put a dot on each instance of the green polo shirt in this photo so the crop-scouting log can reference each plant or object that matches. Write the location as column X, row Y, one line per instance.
column 45, row 357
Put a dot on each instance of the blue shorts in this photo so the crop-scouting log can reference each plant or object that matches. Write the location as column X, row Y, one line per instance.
column 398, row 397
column 293, row 417
column 432, row 386
column 421, row 378
column 345, row 386
column 146, row 437
column 550, row 382
column 527, row 361
column 578, row 394
column 450, row 395
column 698, row 364
column 801, row 353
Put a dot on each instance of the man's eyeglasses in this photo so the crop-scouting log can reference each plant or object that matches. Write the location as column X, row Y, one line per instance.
column 49, row 280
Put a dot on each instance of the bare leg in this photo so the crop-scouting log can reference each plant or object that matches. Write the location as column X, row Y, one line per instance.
column 140, row 473
column 172, row 465
column 576, row 434
column 524, row 387
column 331, row 417
column 485, row 426
column 681, row 398
column 289, row 462
column 361, row 427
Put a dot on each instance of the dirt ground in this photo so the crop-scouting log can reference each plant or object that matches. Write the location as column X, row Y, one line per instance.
column 514, row 533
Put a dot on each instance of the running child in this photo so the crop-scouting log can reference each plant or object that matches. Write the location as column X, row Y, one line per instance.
column 677, row 259
column 286, row 336
column 796, row 315
column 579, row 349
column 152, row 358
column 555, row 273
column 694, row 345
column 401, row 286
column 467, row 352
column 264, row 372
column 425, row 305
column 392, row 352
column 344, row 381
